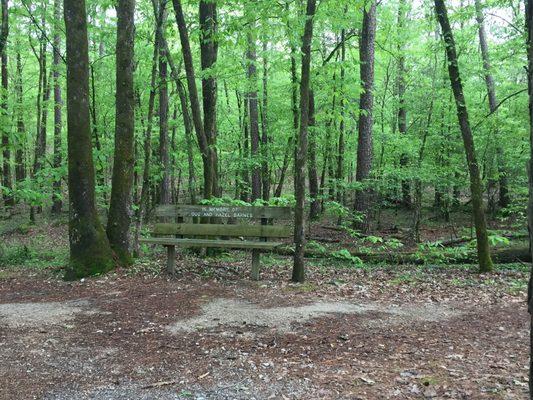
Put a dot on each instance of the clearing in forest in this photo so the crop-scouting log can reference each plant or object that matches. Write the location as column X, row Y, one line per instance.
column 347, row 334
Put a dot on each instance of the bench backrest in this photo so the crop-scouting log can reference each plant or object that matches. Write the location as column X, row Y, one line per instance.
column 233, row 221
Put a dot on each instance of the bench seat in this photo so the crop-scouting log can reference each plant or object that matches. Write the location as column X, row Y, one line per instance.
column 230, row 227
column 229, row 244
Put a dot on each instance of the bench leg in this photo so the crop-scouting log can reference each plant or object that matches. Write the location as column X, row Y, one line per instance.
column 171, row 260
column 255, row 264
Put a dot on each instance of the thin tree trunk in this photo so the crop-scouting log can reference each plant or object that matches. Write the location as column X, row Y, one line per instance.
column 40, row 141
column 203, row 140
column 402, row 110
column 295, row 120
column 20, row 170
column 339, row 177
column 100, row 169
column 90, row 252
column 483, row 250
column 503, row 200
column 251, row 57
column 366, row 106
column 9, row 200
column 529, row 35
column 164, row 146
column 314, row 209
column 57, row 202
column 189, row 141
column 265, row 141
column 119, row 220
column 187, row 122
column 145, row 188
column 298, row 271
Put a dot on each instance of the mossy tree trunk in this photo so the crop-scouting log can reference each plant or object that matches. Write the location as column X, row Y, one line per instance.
column 119, row 220
column 90, row 252
column 478, row 209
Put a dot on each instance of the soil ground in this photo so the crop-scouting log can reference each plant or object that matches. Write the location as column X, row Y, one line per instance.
column 365, row 332
column 347, row 334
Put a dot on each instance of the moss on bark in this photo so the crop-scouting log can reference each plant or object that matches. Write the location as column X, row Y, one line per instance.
column 90, row 253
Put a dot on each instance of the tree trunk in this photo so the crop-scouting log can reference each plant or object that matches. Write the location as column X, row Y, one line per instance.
column 7, row 181
column 165, row 196
column 265, row 171
column 314, row 209
column 57, row 202
column 339, row 176
column 90, row 252
column 251, row 57
column 188, row 140
column 485, row 262
column 295, row 120
column 40, row 137
column 145, row 188
column 119, row 220
column 529, row 35
column 298, row 271
column 20, row 170
column 402, row 111
column 202, row 138
column 208, row 57
column 503, row 200
column 366, row 106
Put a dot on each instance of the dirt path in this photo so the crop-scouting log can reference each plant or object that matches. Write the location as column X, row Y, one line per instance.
column 151, row 338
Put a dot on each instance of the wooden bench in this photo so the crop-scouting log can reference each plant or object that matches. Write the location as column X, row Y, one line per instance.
column 239, row 227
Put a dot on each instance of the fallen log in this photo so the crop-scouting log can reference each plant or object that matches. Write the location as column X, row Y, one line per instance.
column 499, row 256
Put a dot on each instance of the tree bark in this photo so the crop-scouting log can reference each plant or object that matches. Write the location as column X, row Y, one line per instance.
column 529, row 35
column 188, row 140
column 9, row 200
column 20, row 168
column 147, row 147
column 165, row 196
column 485, row 262
column 289, row 150
column 503, row 200
column 119, row 219
column 298, row 271
column 90, row 252
column 314, row 209
column 251, row 72
column 402, row 110
column 339, row 175
column 265, row 141
column 42, row 99
column 4, row 29
column 208, row 57
column 57, row 202
column 366, row 106
column 203, row 140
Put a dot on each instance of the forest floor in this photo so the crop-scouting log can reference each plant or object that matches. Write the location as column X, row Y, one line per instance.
column 370, row 332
